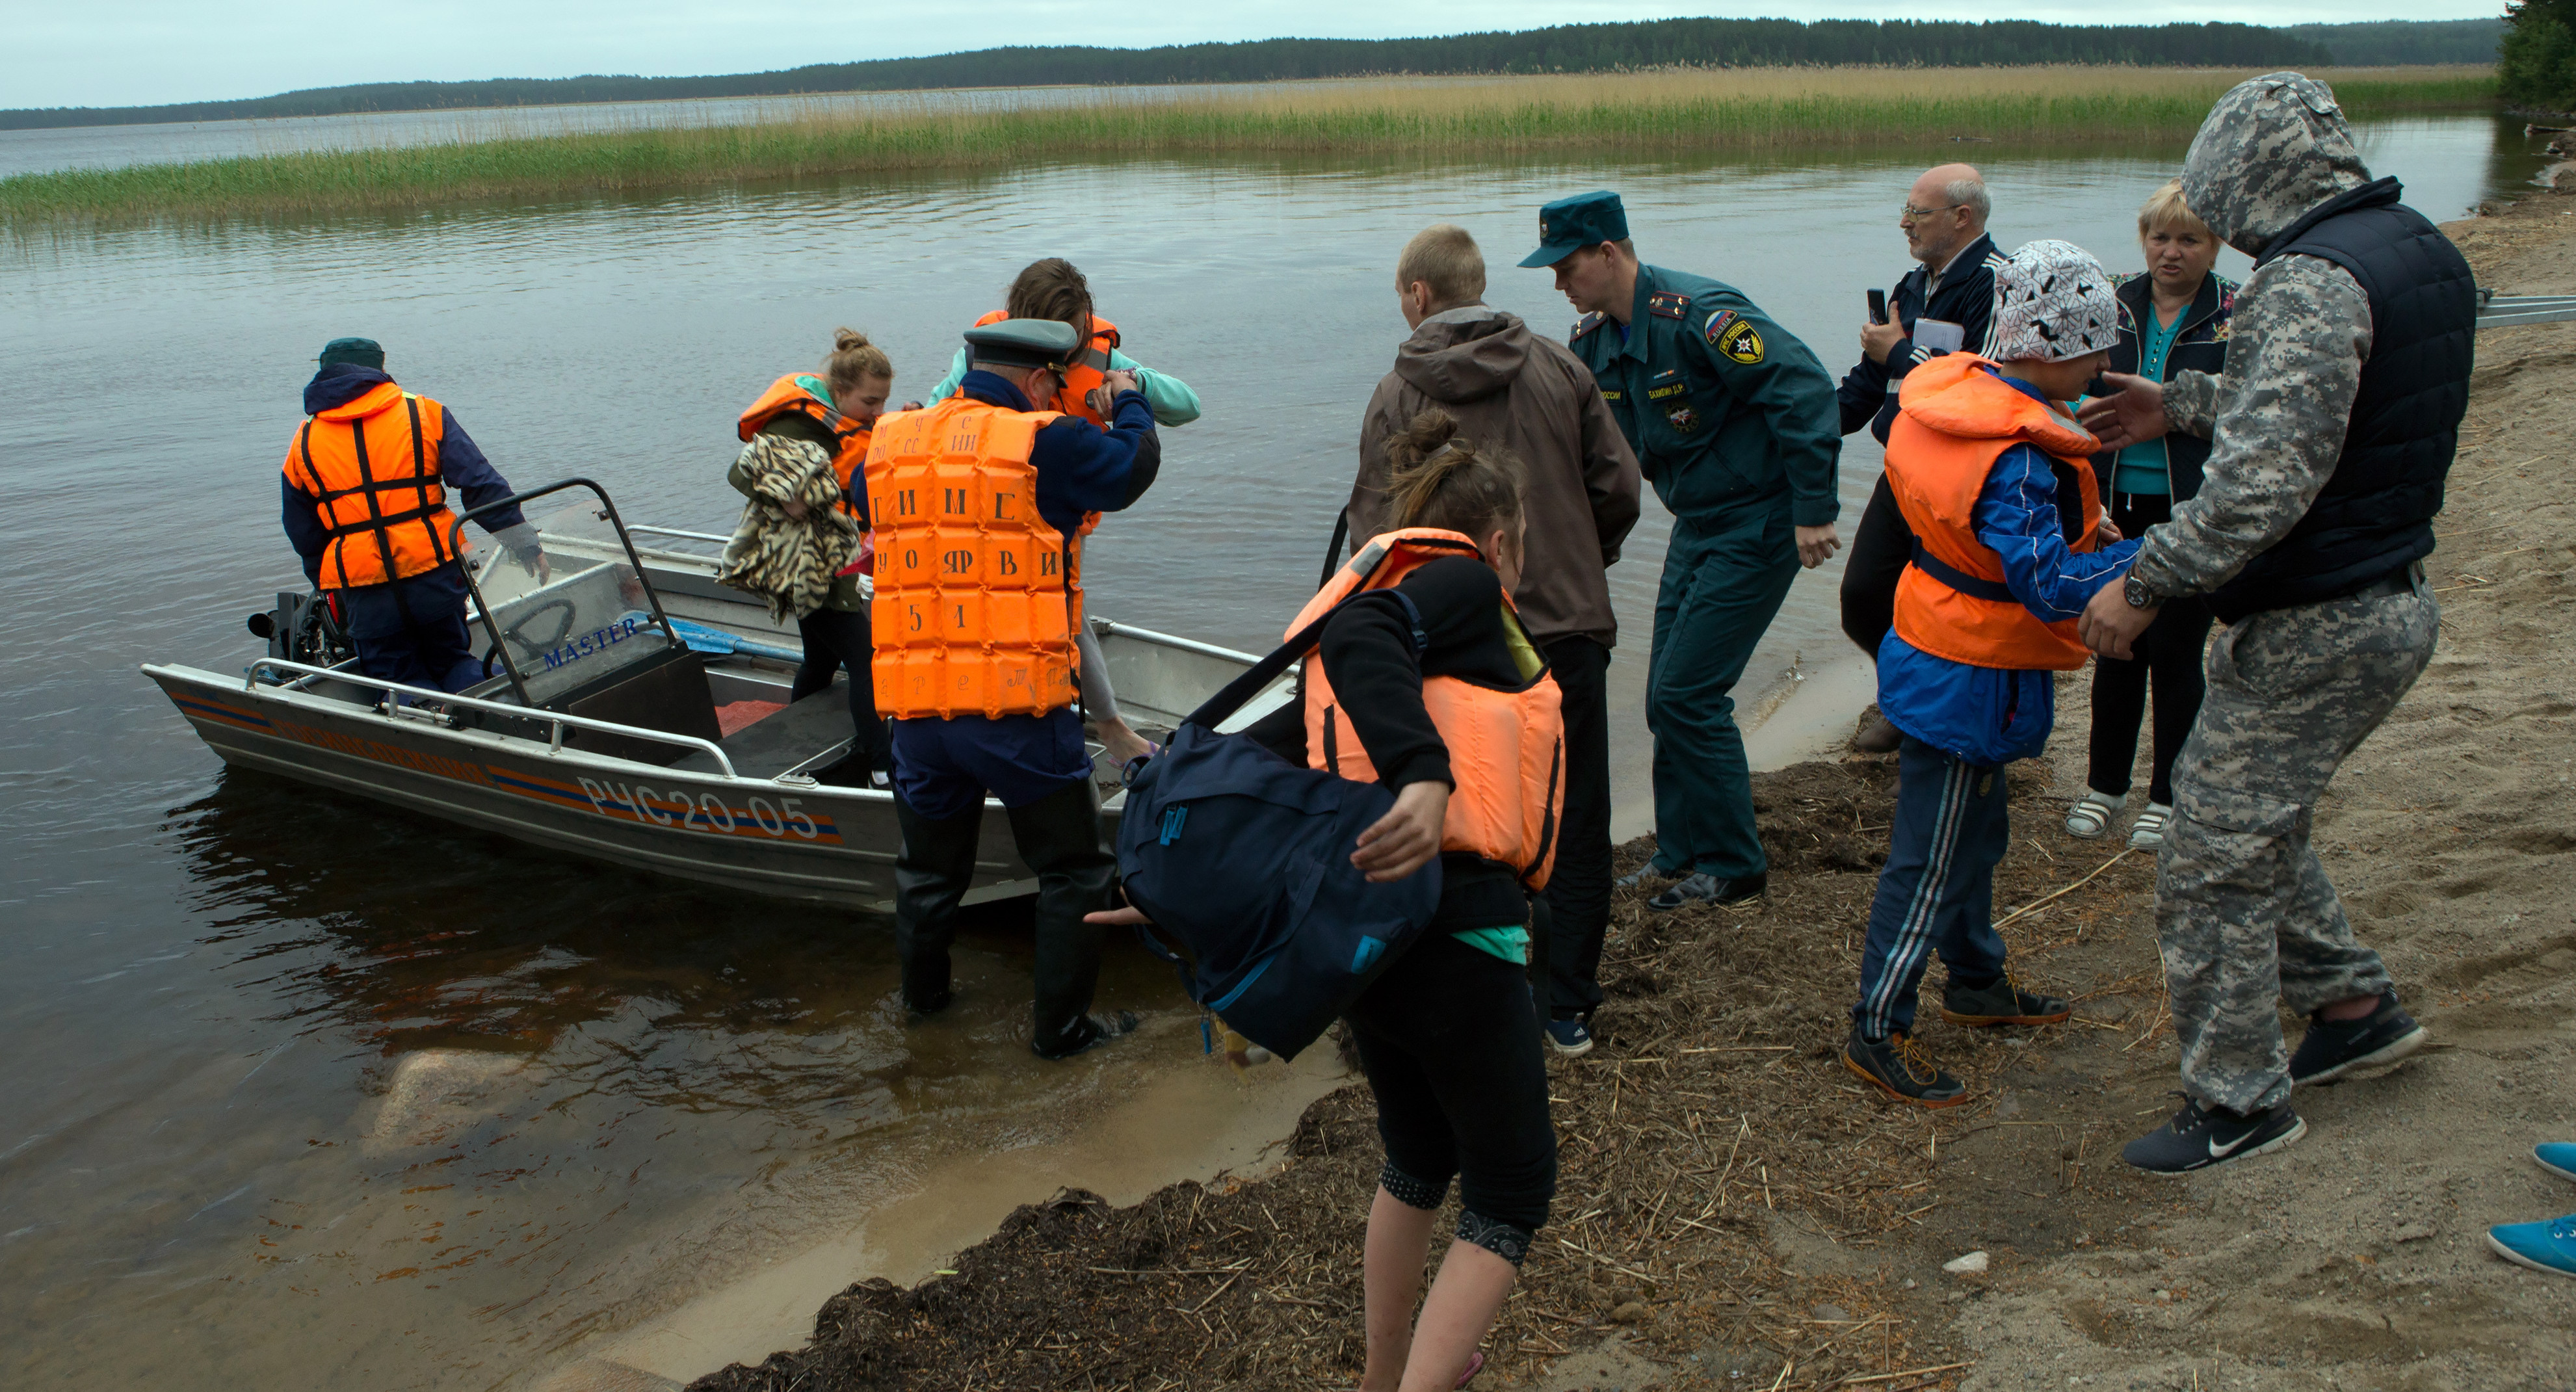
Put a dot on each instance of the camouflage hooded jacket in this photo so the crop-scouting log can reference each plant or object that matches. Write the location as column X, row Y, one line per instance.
column 2272, row 149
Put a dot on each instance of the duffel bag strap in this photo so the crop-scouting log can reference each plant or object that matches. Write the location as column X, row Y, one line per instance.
column 1287, row 654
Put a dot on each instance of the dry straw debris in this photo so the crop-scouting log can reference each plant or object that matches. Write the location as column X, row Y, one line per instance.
column 1712, row 1130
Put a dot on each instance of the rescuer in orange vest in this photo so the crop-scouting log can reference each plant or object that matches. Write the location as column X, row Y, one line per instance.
column 977, row 504
column 1439, row 693
column 803, row 424
column 366, row 505
column 1995, row 481
column 1052, row 288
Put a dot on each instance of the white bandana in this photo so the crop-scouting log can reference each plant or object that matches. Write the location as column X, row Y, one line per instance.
column 2053, row 302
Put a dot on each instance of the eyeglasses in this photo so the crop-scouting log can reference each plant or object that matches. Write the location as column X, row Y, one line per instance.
column 1914, row 214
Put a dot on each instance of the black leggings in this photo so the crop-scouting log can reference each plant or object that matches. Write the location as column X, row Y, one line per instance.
column 837, row 639
column 1880, row 548
column 1449, row 1039
column 2169, row 654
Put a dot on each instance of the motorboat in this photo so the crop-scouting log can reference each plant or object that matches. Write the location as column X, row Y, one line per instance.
column 636, row 712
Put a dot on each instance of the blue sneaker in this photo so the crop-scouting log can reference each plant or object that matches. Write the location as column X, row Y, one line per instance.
column 2547, row 1247
column 2557, row 1157
column 1569, row 1037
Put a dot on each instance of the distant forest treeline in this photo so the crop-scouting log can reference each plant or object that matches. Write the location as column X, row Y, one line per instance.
column 2393, row 43
column 1566, row 48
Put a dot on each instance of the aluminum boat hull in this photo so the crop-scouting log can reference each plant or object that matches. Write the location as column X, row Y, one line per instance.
column 783, row 835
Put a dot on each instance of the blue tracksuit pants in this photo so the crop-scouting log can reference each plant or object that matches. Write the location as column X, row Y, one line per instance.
column 1937, row 890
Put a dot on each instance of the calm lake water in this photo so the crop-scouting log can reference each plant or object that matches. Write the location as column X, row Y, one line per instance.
column 305, row 1094
column 102, row 147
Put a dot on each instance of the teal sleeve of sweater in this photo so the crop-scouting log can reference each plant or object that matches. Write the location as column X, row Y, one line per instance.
column 1173, row 401
column 948, row 385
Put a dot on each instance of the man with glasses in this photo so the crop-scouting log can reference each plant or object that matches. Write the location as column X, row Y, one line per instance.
column 1942, row 305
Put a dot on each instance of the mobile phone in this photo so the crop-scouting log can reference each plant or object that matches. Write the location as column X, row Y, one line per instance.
column 1878, row 306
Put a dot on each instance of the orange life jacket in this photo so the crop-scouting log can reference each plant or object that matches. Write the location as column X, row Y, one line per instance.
column 1086, row 376
column 975, row 595
column 1506, row 747
column 809, row 396
column 371, row 467
column 1954, row 420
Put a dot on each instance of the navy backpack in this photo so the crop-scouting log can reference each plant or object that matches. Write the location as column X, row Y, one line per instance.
column 1243, row 860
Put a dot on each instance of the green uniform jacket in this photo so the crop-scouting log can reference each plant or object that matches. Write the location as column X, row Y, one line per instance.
column 1724, row 407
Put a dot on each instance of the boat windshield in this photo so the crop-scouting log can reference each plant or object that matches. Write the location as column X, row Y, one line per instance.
column 588, row 619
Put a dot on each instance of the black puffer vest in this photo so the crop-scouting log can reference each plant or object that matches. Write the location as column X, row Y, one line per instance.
column 2200, row 345
column 2376, row 514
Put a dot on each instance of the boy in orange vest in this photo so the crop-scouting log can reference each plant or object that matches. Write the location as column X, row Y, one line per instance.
column 1994, row 478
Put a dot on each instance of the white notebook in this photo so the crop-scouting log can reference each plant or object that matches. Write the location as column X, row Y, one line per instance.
column 1938, row 335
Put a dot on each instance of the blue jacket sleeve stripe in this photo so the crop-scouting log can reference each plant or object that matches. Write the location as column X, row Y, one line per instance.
column 2017, row 516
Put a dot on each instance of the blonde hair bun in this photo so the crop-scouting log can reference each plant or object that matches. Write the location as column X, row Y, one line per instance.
column 854, row 360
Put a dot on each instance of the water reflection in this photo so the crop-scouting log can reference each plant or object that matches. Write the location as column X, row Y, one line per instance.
column 410, row 935
column 499, row 1101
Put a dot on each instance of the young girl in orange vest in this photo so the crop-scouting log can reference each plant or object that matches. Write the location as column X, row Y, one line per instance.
column 1995, row 480
column 808, row 425
column 1449, row 1035
column 1053, row 289
column 1450, row 705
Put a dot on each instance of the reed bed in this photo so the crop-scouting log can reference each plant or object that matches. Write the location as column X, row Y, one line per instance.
column 1649, row 115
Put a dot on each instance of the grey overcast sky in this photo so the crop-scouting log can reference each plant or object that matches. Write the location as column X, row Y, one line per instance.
column 145, row 52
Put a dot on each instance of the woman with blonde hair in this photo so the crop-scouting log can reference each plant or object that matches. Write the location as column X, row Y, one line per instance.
column 805, row 447
column 1438, row 693
column 2172, row 319
column 1448, row 1036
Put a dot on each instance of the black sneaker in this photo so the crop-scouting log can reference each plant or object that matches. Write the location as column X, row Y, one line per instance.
column 2333, row 1050
column 1709, row 889
column 2001, row 1002
column 1900, row 1068
column 1089, row 1031
column 2199, row 1137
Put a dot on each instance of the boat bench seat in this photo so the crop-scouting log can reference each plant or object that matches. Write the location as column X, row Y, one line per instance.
column 766, row 748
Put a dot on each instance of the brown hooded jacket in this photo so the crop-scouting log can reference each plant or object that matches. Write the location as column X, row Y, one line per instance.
column 1531, row 395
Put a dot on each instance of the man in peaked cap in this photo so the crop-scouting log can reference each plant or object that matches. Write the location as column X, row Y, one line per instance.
column 2334, row 423
column 975, row 654
column 1733, row 421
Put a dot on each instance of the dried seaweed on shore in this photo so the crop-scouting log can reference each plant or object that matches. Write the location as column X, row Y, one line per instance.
column 1713, row 1125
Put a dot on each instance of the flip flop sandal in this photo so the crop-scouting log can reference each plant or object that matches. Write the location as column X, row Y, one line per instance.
column 1475, row 1365
column 2147, row 833
column 2091, row 814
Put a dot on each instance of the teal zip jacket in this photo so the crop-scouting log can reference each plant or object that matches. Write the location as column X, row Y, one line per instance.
column 1725, row 408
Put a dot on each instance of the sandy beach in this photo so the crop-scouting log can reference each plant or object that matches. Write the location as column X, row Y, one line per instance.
column 1734, row 1212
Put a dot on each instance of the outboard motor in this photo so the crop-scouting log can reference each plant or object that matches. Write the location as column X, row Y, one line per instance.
column 304, row 628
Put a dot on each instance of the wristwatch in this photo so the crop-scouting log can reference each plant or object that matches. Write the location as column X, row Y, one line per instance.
column 2136, row 592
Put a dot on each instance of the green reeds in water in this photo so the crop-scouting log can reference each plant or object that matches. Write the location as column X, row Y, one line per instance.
column 1649, row 114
